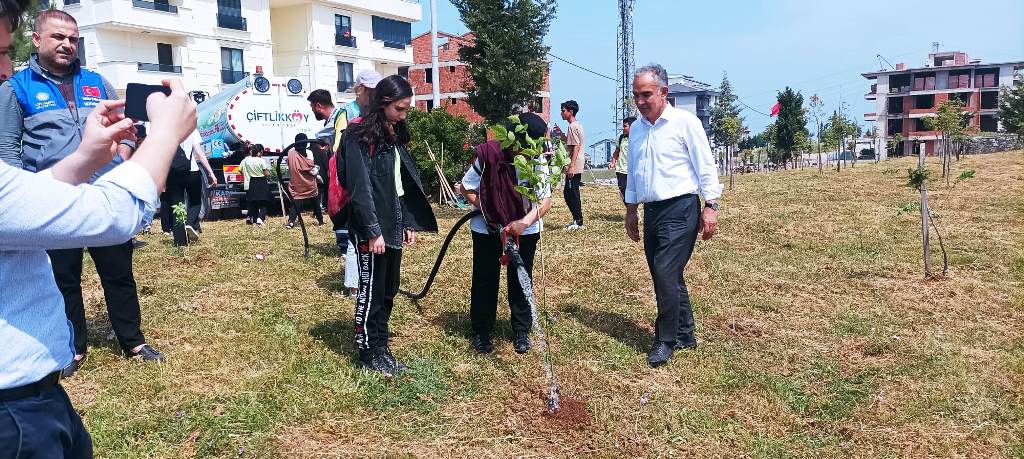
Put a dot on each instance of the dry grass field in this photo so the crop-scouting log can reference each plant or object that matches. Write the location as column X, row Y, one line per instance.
column 819, row 337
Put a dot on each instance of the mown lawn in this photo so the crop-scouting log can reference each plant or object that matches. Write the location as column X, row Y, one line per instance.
column 819, row 337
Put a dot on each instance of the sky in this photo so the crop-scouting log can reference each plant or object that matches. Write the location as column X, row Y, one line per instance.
column 814, row 46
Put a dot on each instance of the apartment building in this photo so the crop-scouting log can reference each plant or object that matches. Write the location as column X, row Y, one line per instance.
column 453, row 77
column 905, row 97
column 211, row 44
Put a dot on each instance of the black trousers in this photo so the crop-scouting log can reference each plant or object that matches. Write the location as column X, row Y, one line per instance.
column 257, row 209
column 378, row 285
column 571, row 193
column 298, row 204
column 621, row 179
column 487, row 249
column 43, row 425
column 182, row 188
column 670, row 232
column 114, row 265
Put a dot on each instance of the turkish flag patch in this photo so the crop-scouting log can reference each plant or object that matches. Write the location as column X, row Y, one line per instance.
column 91, row 91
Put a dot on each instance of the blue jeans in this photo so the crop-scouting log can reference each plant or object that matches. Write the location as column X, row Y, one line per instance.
column 43, row 425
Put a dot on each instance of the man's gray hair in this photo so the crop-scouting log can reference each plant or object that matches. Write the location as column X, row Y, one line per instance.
column 656, row 71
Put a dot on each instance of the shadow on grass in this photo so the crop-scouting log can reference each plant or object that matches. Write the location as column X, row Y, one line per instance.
column 327, row 249
column 613, row 324
column 333, row 281
column 337, row 335
column 98, row 328
column 608, row 217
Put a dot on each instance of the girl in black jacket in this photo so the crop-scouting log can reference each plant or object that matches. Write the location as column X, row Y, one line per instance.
column 386, row 209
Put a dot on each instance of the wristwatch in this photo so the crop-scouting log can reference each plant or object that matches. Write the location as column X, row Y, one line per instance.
column 711, row 205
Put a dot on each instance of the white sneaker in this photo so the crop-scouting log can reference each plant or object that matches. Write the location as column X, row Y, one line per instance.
column 191, row 233
column 573, row 227
column 259, row 221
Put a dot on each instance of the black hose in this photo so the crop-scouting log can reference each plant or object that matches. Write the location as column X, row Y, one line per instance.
column 440, row 257
column 288, row 193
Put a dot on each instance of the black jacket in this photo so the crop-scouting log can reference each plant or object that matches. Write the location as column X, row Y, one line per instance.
column 374, row 208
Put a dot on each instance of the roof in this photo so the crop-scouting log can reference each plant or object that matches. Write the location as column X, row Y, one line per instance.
column 687, row 88
column 872, row 75
column 602, row 141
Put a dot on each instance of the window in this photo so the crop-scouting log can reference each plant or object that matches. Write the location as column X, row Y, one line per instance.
column 989, row 100
column 452, row 101
column 158, row 5
column 81, row 51
column 963, row 97
column 430, row 105
column 893, row 127
column 428, row 75
column 403, row 72
column 924, row 102
column 959, row 80
column 345, row 80
column 72, row 2
column 895, row 105
column 920, row 125
column 986, row 78
column 229, row 15
column 924, row 83
column 989, row 123
column 163, row 54
column 343, row 31
column 231, row 65
column 394, row 34
column 451, row 69
column 164, row 61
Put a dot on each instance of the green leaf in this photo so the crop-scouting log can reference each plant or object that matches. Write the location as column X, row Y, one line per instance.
column 967, row 174
column 520, row 128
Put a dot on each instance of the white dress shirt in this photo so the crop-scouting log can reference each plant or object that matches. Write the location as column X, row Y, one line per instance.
column 670, row 158
column 39, row 213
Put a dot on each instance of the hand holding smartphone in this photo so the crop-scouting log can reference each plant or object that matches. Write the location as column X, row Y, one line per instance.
column 136, row 95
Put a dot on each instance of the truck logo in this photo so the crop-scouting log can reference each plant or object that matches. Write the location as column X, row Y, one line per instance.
column 294, row 117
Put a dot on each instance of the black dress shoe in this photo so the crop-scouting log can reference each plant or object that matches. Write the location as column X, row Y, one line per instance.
column 522, row 342
column 483, row 344
column 398, row 366
column 659, row 355
column 148, row 354
column 686, row 341
column 376, row 360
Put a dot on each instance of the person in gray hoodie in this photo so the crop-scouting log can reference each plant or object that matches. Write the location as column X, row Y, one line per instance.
column 46, row 107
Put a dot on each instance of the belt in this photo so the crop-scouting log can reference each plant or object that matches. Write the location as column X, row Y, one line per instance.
column 28, row 390
column 667, row 201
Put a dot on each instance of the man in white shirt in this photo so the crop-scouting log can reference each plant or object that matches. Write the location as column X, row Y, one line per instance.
column 670, row 163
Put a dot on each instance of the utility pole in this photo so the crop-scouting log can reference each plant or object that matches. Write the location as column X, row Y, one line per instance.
column 624, row 62
column 436, row 85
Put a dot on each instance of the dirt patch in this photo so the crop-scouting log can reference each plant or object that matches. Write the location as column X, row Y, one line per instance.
column 571, row 413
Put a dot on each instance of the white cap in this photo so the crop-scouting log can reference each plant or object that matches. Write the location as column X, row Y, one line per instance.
column 367, row 78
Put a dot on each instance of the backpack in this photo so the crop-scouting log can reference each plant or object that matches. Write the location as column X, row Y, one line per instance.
column 337, row 195
column 180, row 164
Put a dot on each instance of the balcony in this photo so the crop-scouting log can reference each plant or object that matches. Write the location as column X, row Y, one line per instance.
column 345, row 85
column 344, row 40
column 72, row 2
column 394, row 44
column 165, row 7
column 232, row 22
column 232, row 76
column 164, row 68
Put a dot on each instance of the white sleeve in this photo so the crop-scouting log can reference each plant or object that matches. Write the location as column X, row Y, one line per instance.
column 39, row 212
column 702, row 160
column 471, row 181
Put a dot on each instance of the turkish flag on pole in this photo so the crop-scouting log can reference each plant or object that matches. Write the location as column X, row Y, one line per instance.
column 775, row 109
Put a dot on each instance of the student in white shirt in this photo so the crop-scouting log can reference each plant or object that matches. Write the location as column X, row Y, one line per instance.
column 670, row 168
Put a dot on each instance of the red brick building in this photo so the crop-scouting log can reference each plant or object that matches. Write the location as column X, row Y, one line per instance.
column 453, row 77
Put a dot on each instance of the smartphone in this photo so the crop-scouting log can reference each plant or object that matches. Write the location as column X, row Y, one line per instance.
column 135, row 99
